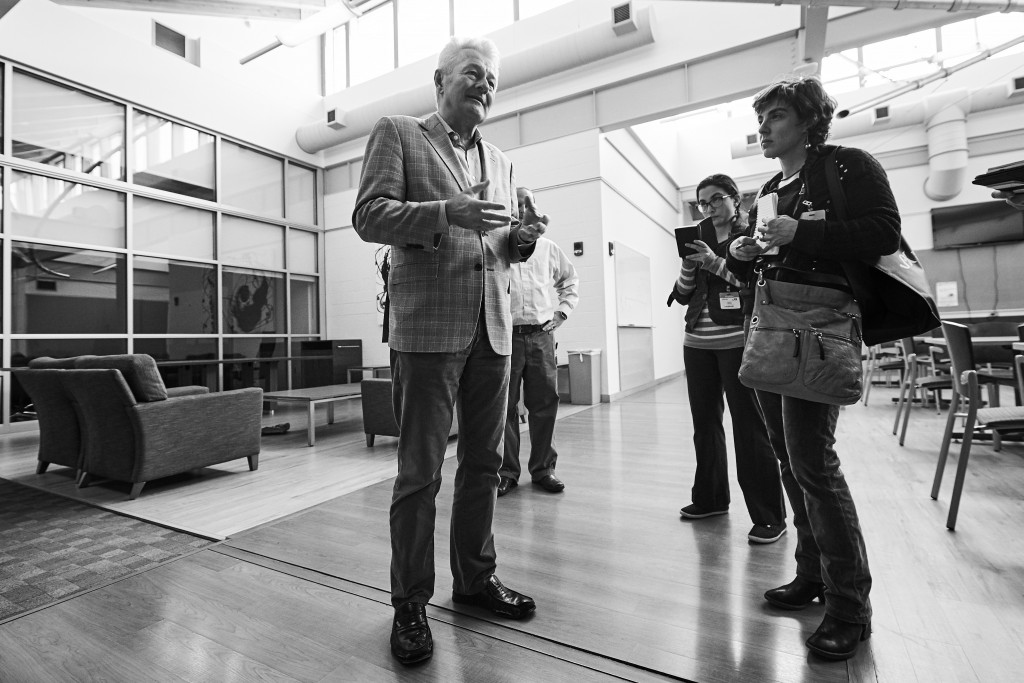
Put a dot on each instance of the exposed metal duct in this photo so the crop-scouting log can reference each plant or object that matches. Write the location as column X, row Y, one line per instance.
column 556, row 56
column 945, row 5
column 946, row 125
column 941, row 73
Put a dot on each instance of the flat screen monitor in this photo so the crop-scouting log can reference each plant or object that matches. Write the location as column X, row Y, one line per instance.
column 972, row 225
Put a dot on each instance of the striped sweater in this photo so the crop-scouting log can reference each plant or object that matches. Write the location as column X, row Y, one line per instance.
column 705, row 333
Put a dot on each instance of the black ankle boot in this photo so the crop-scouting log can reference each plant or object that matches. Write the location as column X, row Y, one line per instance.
column 797, row 594
column 837, row 639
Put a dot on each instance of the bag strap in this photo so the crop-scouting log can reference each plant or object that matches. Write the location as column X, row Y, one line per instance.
column 835, row 188
column 806, row 277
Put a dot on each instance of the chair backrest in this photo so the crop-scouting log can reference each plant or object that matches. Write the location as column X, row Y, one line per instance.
column 60, row 440
column 101, row 399
column 378, row 407
column 961, row 355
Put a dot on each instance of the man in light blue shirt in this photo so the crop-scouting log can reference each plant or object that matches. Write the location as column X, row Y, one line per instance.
column 535, row 317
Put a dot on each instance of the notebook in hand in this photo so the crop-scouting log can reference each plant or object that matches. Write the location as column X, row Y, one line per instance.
column 684, row 235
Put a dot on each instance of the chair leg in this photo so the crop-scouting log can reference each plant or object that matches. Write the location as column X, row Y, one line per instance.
column 906, row 398
column 947, row 436
column 254, row 462
column 993, row 400
column 136, row 490
column 41, row 466
column 961, row 468
column 906, row 419
column 369, row 439
column 83, row 481
column 867, row 385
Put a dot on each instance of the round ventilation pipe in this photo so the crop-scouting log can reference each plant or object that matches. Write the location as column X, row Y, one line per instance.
column 578, row 49
column 947, row 146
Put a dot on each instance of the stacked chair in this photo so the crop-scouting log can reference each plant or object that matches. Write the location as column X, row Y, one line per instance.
column 921, row 376
column 967, row 381
column 882, row 360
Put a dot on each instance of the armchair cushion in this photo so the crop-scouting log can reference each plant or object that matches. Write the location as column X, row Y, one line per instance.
column 138, row 369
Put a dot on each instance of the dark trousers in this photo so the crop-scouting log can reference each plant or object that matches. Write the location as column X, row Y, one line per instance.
column 830, row 546
column 426, row 386
column 709, row 372
column 533, row 366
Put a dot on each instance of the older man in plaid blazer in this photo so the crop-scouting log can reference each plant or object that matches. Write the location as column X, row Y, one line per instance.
column 444, row 200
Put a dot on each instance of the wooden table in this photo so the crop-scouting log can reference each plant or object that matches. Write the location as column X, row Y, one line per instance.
column 311, row 396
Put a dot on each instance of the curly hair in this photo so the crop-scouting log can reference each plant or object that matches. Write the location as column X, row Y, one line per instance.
column 808, row 99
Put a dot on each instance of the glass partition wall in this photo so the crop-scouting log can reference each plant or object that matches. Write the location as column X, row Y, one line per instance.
column 122, row 231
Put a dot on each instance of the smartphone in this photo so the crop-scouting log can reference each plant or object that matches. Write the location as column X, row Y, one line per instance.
column 684, row 235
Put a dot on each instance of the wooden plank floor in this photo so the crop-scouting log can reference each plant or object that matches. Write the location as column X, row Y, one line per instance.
column 627, row 590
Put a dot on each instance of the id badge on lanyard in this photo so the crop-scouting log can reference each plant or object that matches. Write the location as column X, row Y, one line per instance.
column 729, row 301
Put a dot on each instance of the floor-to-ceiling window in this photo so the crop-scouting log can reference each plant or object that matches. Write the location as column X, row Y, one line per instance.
column 123, row 231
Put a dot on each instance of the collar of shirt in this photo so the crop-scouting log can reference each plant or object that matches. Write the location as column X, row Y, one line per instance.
column 457, row 140
column 467, row 153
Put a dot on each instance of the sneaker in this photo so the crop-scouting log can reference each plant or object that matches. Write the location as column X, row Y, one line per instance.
column 694, row 511
column 766, row 533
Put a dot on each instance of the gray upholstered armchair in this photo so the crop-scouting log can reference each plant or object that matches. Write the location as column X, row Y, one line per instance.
column 60, row 441
column 137, row 441
column 379, row 411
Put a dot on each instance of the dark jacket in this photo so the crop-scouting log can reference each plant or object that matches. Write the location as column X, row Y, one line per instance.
column 707, row 286
column 872, row 227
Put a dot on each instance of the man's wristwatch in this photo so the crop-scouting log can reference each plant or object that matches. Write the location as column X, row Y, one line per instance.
column 562, row 315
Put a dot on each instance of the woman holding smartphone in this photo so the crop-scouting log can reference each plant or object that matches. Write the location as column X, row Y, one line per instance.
column 794, row 116
column 712, row 349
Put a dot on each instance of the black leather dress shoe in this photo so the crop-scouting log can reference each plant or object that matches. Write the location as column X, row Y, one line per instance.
column 506, row 485
column 499, row 599
column 797, row 594
column 550, row 483
column 410, row 634
column 837, row 639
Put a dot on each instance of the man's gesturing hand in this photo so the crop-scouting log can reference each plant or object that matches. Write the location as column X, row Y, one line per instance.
column 532, row 224
column 466, row 211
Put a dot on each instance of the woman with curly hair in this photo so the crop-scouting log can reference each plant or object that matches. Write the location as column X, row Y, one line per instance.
column 794, row 117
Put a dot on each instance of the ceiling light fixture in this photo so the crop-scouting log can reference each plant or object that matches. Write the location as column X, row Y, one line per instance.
column 318, row 24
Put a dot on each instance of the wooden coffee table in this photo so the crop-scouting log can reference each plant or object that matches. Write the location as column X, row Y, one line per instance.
column 311, row 396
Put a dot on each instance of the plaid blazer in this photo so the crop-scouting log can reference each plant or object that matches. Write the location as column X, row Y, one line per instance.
column 439, row 274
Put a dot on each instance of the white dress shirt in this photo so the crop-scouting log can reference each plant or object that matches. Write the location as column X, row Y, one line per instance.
column 532, row 280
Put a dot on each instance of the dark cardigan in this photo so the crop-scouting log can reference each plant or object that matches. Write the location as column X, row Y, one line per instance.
column 871, row 229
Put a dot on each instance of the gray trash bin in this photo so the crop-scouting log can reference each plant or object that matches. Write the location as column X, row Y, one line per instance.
column 585, row 376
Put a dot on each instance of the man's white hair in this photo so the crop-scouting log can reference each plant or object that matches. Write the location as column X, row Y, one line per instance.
column 450, row 53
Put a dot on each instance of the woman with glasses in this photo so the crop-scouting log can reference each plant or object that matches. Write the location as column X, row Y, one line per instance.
column 808, row 243
column 712, row 348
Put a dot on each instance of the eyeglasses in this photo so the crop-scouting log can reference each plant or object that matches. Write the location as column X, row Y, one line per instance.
column 715, row 202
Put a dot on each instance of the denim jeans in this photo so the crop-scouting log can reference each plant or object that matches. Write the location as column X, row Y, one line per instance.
column 830, row 545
